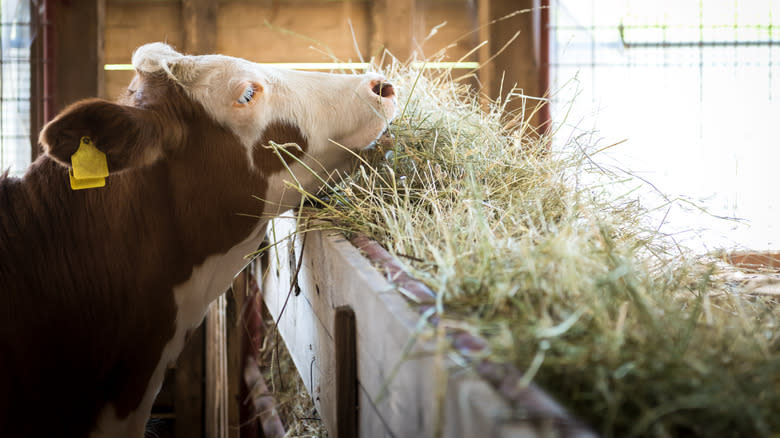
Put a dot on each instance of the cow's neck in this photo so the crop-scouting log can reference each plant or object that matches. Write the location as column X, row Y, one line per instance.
column 164, row 244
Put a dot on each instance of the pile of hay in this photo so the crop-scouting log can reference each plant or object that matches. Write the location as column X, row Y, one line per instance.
column 535, row 249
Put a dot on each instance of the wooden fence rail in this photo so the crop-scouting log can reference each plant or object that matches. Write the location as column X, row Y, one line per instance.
column 408, row 383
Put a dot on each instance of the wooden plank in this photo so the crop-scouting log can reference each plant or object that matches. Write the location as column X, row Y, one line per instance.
column 128, row 26
column 216, row 370
column 394, row 27
column 283, row 33
column 78, row 54
column 455, row 36
column 515, row 61
column 199, row 20
column 37, row 91
column 487, row 68
column 769, row 261
column 189, row 387
column 405, row 387
column 235, row 299
column 116, row 84
column 346, row 373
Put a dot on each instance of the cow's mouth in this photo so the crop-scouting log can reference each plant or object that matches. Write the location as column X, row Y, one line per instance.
column 384, row 140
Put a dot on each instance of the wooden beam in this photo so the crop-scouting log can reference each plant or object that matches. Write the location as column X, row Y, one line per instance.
column 78, row 51
column 199, row 19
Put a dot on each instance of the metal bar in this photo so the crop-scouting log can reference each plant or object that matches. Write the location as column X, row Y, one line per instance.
column 673, row 44
column 664, row 26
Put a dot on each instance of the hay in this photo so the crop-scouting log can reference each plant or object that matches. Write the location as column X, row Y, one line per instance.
column 293, row 403
column 553, row 260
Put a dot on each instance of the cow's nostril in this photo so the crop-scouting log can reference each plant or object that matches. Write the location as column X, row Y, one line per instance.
column 383, row 89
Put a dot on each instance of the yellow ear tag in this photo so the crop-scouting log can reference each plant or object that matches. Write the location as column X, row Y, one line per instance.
column 90, row 167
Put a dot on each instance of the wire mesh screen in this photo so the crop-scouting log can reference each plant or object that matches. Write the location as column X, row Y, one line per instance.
column 694, row 88
column 16, row 36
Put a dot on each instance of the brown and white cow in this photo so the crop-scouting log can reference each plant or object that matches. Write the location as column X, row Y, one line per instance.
column 99, row 287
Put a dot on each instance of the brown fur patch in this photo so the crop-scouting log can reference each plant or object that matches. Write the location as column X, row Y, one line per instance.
column 86, row 303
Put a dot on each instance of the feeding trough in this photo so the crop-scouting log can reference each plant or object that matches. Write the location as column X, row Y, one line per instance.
column 543, row 272
column 368, row 362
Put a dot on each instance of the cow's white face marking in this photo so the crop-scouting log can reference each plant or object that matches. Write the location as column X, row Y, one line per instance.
column 246, row 97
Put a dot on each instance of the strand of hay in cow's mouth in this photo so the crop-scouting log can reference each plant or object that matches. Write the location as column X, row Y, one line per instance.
column 638, row 337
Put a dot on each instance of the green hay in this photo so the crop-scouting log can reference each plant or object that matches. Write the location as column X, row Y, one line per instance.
column 533, row 249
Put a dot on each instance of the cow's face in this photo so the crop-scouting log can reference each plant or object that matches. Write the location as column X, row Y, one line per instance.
column 324, row 114
column 329, row 110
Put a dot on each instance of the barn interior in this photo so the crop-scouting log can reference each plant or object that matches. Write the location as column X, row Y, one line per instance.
column 683, row 93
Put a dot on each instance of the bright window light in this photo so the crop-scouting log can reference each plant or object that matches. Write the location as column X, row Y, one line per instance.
column 694, row 89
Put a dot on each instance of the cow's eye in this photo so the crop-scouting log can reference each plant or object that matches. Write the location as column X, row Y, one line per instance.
column 247, row 95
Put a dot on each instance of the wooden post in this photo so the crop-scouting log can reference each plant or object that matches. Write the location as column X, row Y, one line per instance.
column 188, row 403
column 486, row 71
column 199, row 19
column 345, row 337
column 78, row 51
column 216, row 371
column 37, row 92
column 394, row 27
column 519, row 64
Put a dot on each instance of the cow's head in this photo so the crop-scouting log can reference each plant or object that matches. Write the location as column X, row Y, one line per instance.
column 177, row 106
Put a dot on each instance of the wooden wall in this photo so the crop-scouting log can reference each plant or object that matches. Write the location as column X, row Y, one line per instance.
column 319, row 31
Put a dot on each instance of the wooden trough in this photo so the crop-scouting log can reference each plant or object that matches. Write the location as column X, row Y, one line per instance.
column 377, row 367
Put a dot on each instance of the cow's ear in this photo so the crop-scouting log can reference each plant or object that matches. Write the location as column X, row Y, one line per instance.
column 129, row 136
column 159, row 57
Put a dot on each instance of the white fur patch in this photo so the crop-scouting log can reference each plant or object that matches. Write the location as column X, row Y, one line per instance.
column 325, row 107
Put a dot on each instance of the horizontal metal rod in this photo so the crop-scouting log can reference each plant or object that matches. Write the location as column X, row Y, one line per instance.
column 646, row 44
column 332, row 65
column 667, row 26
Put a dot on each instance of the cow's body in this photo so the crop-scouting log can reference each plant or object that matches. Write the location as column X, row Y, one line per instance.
column 99, row 287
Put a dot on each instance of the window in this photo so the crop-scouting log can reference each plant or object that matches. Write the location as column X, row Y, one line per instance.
column 694, row 88
column 15, row 42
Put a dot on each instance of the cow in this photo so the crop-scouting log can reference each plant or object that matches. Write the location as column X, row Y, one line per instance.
column 100, row 287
